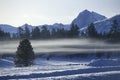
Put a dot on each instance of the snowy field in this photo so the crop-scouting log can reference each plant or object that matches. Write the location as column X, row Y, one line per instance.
column 58, row 68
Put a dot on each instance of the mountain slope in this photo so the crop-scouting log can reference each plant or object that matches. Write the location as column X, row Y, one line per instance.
column 27, row 25
column 8, row 28
column 55, row 26
column 104, row 26
column 86, row 17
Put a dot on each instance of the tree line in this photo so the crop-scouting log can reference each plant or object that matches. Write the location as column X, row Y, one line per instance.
column 44, row 33
column 4, row 35
column 73, row 32
column 112, row 35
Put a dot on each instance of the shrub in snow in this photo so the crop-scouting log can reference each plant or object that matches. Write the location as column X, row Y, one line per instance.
column 24, row 54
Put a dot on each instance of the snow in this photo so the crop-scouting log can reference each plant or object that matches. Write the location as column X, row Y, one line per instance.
column 8, row 28
column 87, row 76
column 60, row 68
column 12, row 29
column 105, row 62
column 28, row 26
column 86, row 17
column 6, row 63
column 56, row 26
column 42, row 66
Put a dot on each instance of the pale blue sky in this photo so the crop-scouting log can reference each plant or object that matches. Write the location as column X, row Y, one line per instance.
column 38, row 12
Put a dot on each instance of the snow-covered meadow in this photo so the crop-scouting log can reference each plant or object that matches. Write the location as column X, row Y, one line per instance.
column 59, row 68
column 62, row 67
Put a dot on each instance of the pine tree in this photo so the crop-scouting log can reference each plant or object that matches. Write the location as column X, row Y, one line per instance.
column 114, row 33
column 92, row 33
column 21, row 33
column 45, row 32
column 4, row 35
column 74, row 31
column 27, row 32
column 1, row 34
column 36, row 33
column 14, row 36
column 24, row 54
column 54, row 33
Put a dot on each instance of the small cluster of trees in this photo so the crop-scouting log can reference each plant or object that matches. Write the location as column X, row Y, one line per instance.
column 113, row 35
column 4, row 35
column 92, row 33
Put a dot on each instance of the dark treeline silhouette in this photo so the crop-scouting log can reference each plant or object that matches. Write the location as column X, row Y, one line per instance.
column 114, row 34
column 45, row 33
column 4, row 35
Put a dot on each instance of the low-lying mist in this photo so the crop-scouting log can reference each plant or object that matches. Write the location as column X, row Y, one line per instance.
column 61, row 45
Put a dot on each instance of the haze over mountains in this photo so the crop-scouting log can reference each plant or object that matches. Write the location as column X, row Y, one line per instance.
column 102, row 24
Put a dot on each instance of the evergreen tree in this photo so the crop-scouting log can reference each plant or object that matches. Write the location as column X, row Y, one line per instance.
column 27, row 32
column 92, row 33
column 1, row 34
column 14, row 36
column 7, row 35
column 54, row 33
column 24, row 54
column 115, row 31
column 45, row 32
column 74, row 31
column 59, row 33
column 36, row 33
column 21, row 33
column 4, row 35
column 63, row 33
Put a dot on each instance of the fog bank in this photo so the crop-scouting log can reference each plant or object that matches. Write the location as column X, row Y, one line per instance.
column 61, row 45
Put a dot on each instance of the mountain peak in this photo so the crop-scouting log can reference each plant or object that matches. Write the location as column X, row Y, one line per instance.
column 84, row 11
column 86, row 17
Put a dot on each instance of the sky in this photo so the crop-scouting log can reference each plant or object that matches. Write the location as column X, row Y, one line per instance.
column 39, row 12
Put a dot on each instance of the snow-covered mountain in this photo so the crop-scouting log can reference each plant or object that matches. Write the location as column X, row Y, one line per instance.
column 56, row 26
column 104, row 26
column 27, row 25
column 86, row 17
column 8, row 28
column 12, row 29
